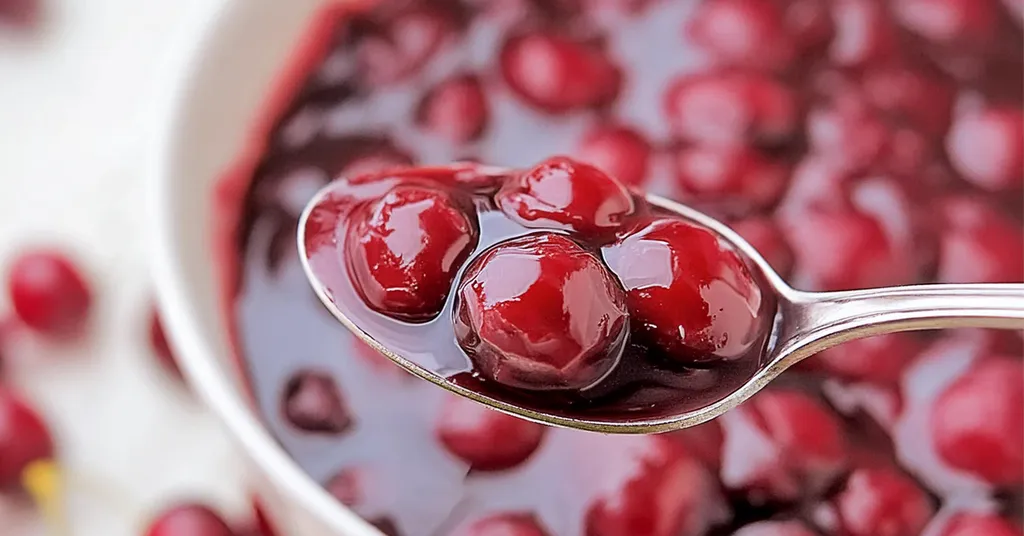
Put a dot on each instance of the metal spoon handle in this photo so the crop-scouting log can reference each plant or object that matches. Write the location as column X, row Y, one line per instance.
column 813, row 321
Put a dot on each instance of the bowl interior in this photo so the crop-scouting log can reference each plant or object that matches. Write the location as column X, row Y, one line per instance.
column 220, row 85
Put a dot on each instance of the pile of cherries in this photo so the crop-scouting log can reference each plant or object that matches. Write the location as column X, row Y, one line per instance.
column 855, row 143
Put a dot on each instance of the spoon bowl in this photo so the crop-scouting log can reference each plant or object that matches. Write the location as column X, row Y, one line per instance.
column 804, row 323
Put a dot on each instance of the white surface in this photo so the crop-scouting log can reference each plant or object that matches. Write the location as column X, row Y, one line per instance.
column 73, row 99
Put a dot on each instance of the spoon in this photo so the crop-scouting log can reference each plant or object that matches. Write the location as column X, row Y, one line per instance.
column 805, row 323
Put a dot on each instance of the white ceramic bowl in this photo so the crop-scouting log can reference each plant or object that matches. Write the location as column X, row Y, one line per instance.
column 219, row 79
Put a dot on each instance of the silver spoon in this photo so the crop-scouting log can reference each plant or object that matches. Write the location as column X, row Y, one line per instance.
column 807, row 323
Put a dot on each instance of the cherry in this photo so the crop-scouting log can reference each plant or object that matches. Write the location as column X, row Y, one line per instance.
column 565, row 194
column 348, row 486
column 803, row 446
column 731, row 108
column 456, row 109
column 979, row 244
column 486, row 439
column 748, row 33
column 703, row 441
column 619, row 151
column 408, row 42
column 880, row 359
column 663, row 496
column 864, row 33
column 948, row 21
column 767, row 239
column 403, row 251
column 861, row 254
column 775, row 528
column 978, row 421
column 24, row 438
column 20, row 13
column 189, row 520
column 48, row 293
column 969, row 524
column 540, row 313
column 739, row 177
column 911, row 96
column 848, row 133
column 158, row 342
column 312, row 403
column 689, row 295
column 987, row 148
column 882, row 502
column 556, row 74
column 505, row 524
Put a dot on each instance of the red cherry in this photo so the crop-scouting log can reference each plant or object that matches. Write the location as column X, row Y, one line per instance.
column 775, row 528
column 980, row 525
column 619, row 151
column 541, row 313
column 881, row 359
column 486, row 439
column 861, row 254
column 565, row 194
column 20, row 13
column 407, row 44
column 864, row 33
column 882, row 502
column 987, row 148
column 704, row 441
column 810, row 23
column 689, row 294
column 731, row 108
column 767, row 239
column 848, row 133
column 911, row 96
column 189, row 520
column 805, row 441
column 556, row 74
column 49, row 294
column 979, row 244
column 663, row 496
column 403, row 251
column 748, row 33
column 738, row 177
column 24, row 438
column 511, row 524
column 158, row 342
column 978, row 421
column 348, row 486
column 455, row 109
column 313, row 403
column 949, row 21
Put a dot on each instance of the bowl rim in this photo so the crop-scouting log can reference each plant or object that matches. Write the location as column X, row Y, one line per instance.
column 196, row 354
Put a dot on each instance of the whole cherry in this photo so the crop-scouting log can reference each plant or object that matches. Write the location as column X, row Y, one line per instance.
column 748, row 33
column 882, row 502
column 739, row 179
column 987, row 148
column 456, row 109
column 312, row 402
column 486, row 439
column 48, row 293
column 24, row 438
column 567, row 194
column 404, row 249
column 541, row 313
column 881, row 359
column 619, row 151
column 189, row 520
column 690, row 295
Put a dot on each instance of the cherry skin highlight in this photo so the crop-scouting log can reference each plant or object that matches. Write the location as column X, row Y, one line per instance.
column 403, row 251
column 562, row 193
column 689, row 294
column 541, row 313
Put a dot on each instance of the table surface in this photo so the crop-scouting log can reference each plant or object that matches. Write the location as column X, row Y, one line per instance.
column 74, row 99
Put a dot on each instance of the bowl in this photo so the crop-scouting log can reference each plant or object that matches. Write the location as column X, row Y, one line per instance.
column 220, row 78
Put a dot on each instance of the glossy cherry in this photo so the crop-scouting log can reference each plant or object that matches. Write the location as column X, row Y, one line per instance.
column 556, row 74
column 749, row 33
column 882, row 502
column 979, row 244
column 978, row 421
column 312, row 402
column 801, row 449
column 619, row 151
column 690, row 295
column 456, row 109
column 987, row 148
column 24, row 438
column 49, row 293
column 971, row 524
column 541, row 313
column 563, row 193
column 740, row 179
column 775, row 528
column 731, row 108
column 404, row 46
column 189, row 520
column 486, row 439
column 403, row 251
column 503, row 524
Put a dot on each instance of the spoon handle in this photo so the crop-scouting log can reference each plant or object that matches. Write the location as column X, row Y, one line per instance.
column 823, row 319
